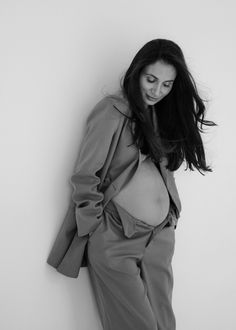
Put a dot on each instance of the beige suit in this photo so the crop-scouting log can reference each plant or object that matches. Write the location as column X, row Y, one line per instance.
column 105, row 162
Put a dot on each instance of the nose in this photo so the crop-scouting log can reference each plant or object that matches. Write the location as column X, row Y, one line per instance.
column 156, row 91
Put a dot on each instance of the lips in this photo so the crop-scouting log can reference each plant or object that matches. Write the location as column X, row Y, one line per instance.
column 151, row 98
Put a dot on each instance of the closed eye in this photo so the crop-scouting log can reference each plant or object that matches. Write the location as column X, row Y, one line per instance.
column 150, row 80
column 167, row 85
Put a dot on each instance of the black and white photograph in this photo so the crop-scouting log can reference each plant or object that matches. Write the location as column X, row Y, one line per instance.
column 118, row 148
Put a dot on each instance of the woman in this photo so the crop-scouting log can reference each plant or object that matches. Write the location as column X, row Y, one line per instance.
column 125, row 202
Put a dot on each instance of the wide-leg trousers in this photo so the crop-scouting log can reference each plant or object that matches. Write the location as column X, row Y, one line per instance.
column 129, row 264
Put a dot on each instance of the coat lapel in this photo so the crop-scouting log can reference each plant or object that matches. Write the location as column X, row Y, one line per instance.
column 170, row 184
column 117, row 184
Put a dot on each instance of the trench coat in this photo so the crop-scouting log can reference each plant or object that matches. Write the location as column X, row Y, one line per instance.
column 107, row 159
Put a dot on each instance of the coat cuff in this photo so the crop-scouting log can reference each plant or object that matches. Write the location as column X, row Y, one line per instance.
column 87, row 225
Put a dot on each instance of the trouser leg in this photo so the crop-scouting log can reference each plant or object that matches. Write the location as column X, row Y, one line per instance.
column 118, row 287
column 157, row 274
column 122, row 300
column 123, row 272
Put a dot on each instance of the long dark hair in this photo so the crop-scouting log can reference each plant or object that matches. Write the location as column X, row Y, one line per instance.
column 180, row 114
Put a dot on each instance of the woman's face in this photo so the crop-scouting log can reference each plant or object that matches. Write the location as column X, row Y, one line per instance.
column 156, row 81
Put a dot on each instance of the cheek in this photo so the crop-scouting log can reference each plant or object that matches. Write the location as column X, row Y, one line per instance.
column 147, row 87
column 167, row 92
column 142, row 85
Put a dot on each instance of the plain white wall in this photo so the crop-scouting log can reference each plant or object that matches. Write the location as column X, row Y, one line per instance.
column 56, row 60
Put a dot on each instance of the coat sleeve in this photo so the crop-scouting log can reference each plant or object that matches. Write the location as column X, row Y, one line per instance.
column 101, row 127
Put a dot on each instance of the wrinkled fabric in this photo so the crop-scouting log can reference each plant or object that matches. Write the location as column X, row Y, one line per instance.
column 107, row 160
column 129, row 263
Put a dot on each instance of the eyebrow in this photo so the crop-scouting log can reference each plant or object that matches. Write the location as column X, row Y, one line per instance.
column 149, row 74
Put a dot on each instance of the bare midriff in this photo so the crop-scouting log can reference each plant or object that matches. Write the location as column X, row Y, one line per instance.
column 145, row 195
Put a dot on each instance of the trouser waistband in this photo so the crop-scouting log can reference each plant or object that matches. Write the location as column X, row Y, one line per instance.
column 131, row 224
